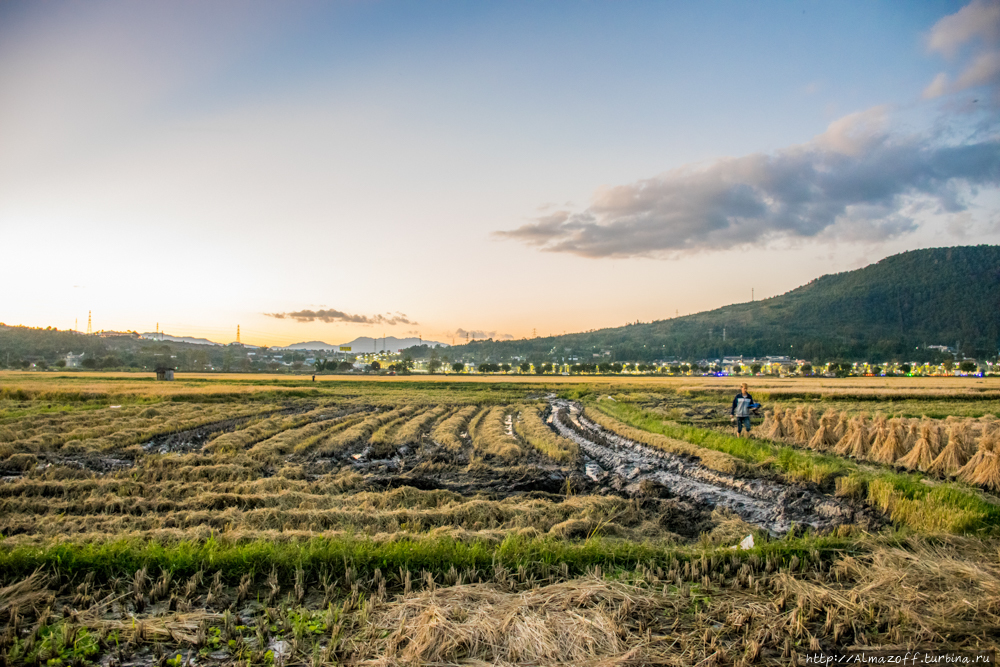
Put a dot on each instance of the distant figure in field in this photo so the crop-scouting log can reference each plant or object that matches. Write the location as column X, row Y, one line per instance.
column 740, row 411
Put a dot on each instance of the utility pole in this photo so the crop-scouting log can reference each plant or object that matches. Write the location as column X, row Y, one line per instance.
column 751, row 294
column 237, row 334
column 90, row 329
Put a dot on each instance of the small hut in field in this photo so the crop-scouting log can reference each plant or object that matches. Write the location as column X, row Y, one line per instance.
column 164, row 373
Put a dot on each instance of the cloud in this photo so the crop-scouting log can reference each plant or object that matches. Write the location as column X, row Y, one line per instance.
column 462, row 333
column 973, row 31
column 854, row 182
column 331, row 315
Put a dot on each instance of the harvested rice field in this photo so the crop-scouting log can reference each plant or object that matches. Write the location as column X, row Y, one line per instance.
column 415, row 521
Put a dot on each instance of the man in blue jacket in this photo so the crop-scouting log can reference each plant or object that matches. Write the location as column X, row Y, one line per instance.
column 740, row 411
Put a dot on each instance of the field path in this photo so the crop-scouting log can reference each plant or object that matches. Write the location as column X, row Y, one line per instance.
column 776, row 507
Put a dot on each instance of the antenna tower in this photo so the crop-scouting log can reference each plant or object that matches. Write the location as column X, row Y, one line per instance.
column 237, row 333
column 90, row 329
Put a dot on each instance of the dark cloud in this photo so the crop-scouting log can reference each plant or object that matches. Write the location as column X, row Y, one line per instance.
column 331, row 315
column 853, row 182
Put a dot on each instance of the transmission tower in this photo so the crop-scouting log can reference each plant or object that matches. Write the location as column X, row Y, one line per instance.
column 237, row 334
column 90, row 328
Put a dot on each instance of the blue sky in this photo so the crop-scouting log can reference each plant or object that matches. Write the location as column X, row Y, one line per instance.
column 488, row 167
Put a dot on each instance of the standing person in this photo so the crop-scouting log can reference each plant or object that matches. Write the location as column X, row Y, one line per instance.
column 741, row 410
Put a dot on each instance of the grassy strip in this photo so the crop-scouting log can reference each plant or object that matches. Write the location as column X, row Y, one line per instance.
column 121, row 558
column 904, row 497
column 950, row 507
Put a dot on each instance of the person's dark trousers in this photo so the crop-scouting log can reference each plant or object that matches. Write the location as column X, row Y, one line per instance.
column 742, row 423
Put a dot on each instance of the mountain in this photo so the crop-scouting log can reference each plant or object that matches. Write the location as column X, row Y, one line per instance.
column 177, row 339
column 367, row 344
column 893, row 309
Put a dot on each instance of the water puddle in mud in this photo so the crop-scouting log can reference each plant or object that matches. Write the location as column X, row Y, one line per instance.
column 609, row 459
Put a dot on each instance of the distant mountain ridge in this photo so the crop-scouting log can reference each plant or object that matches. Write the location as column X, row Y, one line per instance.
column 366, row 344
column 888, row 310
column 154, row 335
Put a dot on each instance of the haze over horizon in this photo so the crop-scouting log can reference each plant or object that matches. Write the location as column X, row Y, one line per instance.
column 330, row 170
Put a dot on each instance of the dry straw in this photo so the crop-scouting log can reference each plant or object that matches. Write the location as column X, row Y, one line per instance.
column 955, row 454
column 569, row 623
column 923, row 453
column 890, row 449
column 984, row 467
column 855, row 441
column 802, row 427
column 778, row 428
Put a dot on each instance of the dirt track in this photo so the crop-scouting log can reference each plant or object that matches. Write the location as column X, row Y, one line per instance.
column 610, row 459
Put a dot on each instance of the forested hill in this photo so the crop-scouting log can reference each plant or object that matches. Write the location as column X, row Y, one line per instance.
column 939, row 296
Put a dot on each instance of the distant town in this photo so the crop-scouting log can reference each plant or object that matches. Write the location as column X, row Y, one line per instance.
column 159, row 352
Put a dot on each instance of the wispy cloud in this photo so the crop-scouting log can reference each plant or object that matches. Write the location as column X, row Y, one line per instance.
column 971, row 37
column 332, row 315
column 856, row 181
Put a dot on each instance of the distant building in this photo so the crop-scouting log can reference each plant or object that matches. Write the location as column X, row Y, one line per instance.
column 74, row 360
column 164, row 373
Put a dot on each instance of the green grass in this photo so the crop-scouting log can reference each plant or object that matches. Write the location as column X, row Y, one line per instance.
column 118, row 558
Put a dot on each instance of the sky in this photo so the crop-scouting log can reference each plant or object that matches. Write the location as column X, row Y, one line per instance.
column 322, row 170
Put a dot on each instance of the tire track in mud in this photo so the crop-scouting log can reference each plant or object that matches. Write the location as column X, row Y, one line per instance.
column 612, row 459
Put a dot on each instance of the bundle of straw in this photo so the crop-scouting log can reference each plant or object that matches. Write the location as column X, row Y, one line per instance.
column 855, row 441
column 840, row 425
column 892, row 446
column 955, row 454
column 984, row 467
column 813, row 421
column 778, row 429
column 923, row 453
column 879, row 432
column 765, row 425
column 802, row 429
column 823, row 440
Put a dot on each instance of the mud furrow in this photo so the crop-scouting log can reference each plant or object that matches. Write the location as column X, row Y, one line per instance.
column 773, row 506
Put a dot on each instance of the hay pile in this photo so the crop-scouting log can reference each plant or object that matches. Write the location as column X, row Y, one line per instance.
column 984, row 467
column 802, row 427
column 574, row 622
column 813, row 420
column 838, row 424
column 893, row 446
column 776, row 429
column 879, row 432
column 823, row 440
column 855, row 442
column 925, row 450
column 955, row 454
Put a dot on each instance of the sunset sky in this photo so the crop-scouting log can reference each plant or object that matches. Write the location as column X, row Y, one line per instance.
column 321, row 170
